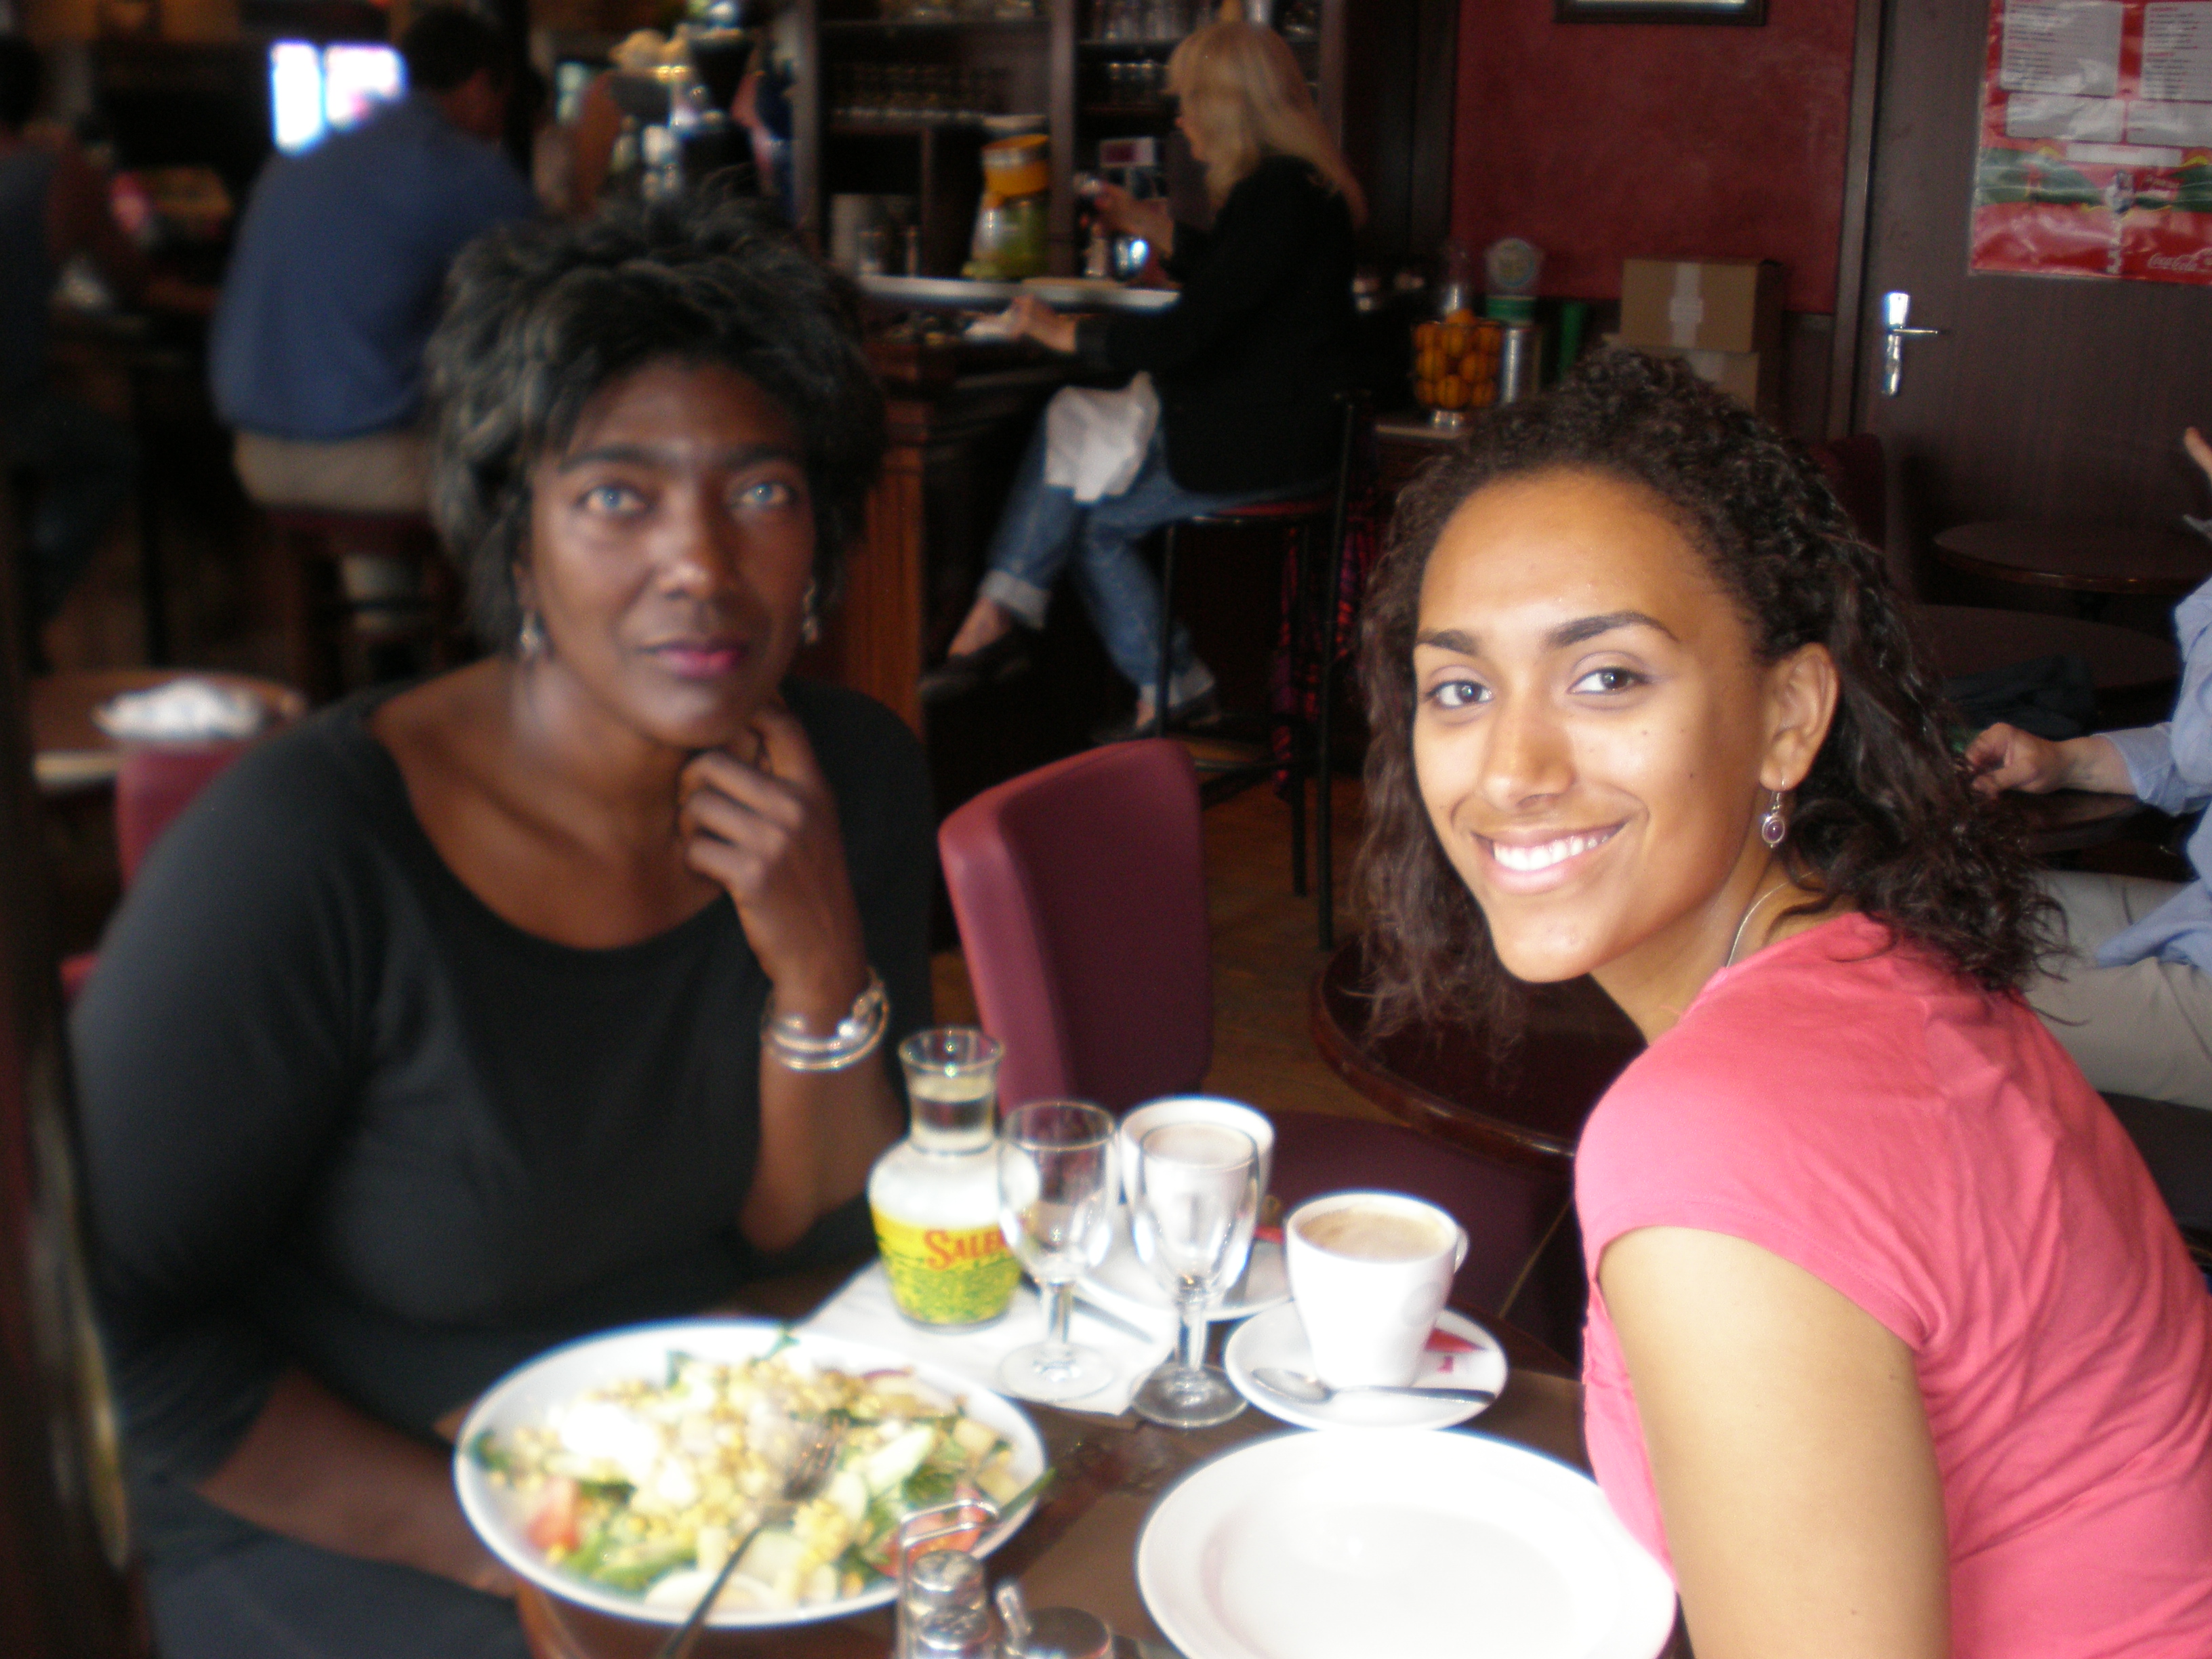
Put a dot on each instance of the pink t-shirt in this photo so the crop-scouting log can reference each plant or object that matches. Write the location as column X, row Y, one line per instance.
column 1927, row 1149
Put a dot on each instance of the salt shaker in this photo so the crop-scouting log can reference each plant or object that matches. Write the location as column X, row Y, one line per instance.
column 957, row 1633
column 944, row 1578
column 1051, row 1632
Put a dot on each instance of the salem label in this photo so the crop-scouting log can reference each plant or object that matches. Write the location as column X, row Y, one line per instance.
column 947, row 1275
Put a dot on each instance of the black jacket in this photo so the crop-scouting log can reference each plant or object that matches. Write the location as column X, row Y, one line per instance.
column 1246, row 359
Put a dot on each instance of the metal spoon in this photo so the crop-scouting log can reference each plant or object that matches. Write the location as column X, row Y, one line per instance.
column 1312, row 1391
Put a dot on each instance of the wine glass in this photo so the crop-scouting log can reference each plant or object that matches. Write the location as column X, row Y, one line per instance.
column 1055, row 1168
column 1198, row 1193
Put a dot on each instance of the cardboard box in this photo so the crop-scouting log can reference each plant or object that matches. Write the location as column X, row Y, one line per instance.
column 1702, row 304
column 1751, row 378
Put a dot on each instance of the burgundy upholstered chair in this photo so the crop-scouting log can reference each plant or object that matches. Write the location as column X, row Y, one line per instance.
column 152, row 786
column 1080, row 892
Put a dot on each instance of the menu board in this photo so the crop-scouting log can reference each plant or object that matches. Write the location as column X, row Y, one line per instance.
column 2096, row 141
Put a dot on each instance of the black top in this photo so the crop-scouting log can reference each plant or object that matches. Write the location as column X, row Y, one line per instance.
column 1246, row 359
column 337, row 1112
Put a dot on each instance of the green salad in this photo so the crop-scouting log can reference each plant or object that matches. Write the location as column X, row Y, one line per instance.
column 644, row 1488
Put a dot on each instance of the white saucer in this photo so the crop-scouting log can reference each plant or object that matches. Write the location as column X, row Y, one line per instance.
column 1277, row 1338
column 1123, row 1283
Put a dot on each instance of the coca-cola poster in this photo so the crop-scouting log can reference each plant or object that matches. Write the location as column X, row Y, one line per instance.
column 2096, row 141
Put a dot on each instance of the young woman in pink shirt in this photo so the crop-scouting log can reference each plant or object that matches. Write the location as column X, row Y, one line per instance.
column 1893, row 1349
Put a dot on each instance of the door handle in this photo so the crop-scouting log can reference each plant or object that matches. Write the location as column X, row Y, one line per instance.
column 1895, row 309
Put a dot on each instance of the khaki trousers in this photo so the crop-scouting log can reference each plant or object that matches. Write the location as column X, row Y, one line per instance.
column 382, row 472
column 2143, row 1029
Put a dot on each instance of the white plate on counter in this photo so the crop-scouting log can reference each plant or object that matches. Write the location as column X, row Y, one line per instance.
column 1406, row 1544
column 966, row 293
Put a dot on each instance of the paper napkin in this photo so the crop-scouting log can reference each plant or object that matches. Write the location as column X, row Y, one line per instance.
column 863, row 1312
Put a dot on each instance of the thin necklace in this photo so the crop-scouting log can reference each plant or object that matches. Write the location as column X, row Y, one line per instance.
column 1749, row 911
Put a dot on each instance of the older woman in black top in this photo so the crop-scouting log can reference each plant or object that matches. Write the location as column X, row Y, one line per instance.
column 552, row 993
column 1242, row 362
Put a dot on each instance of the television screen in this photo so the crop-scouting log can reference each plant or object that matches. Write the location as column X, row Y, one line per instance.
column 356, row 78
column 315, row 91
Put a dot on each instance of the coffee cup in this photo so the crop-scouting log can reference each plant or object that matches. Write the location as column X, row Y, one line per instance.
column 1369, row 1273
column 1141, row 1121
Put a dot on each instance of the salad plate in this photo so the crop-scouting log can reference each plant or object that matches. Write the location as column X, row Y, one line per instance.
column 1460, row 1354
column 594, row 1469
column 1415, row 1545
column 1122, row 1284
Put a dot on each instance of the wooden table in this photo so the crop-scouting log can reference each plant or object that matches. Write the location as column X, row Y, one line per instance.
column 1525, row 1105
column 71, row 752
column 1079, row 1548
column 2068, row 820
column 1973, row 639
column 958, row 420
column 2082, row 556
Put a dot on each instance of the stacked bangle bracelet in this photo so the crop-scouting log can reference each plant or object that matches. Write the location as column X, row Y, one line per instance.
column 797, row 1049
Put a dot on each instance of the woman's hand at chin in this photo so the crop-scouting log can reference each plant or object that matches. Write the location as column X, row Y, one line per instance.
column 765, row 828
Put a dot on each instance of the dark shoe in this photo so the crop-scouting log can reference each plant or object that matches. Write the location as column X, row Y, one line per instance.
column 1200, row 710
column 1003, row 659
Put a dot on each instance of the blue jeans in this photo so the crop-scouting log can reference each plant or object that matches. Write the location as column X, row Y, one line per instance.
column 1045, row 529
column 82, row 463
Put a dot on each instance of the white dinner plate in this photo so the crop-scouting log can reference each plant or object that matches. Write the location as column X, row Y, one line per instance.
column 1123, row 1283
column 1397, row 1546
column 528, row 1395
column 1460, row 1355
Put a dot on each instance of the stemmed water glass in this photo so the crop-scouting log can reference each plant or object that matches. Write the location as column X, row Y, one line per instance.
column 1198, row 1194
column 1055, row 1169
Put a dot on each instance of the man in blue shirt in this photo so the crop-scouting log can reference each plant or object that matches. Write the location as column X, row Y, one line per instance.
column 2131, row 999
column 317, row 355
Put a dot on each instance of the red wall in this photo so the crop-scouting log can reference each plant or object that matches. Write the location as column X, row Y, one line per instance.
column 1599, row 141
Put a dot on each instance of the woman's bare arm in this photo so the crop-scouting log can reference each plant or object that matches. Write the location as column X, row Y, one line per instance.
column 767, row 830
column 1790, row 1450
column 313, row 1468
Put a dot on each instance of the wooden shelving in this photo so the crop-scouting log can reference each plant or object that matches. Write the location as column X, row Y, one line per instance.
column 1394, row 124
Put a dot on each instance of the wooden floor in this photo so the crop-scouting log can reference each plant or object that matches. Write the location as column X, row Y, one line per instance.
column 1264, row 959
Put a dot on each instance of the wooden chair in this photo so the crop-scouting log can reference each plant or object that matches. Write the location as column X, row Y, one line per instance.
column 325, row 630
column 1310, row 528
column 62, row 1525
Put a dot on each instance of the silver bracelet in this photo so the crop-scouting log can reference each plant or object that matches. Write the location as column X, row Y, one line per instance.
column 797, row 1049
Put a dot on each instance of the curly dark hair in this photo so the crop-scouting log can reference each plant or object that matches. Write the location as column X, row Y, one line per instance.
column 1885, row 819
column 541, row 317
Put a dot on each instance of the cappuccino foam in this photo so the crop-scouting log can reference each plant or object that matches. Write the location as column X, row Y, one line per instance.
column 1372, row 1233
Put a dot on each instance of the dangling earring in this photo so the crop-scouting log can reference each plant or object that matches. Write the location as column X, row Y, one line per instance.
column 809, row 621
column 530, row 638
column 1773, row 824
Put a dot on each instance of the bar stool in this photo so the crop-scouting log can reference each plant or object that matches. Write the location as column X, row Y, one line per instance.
column 1311, row 527
column 321, row 622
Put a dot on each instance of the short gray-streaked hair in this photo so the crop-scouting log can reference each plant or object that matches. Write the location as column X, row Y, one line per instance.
column 541, row 317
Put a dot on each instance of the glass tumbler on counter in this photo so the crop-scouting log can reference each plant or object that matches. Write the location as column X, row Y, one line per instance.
column 1197, row 1195
column 1056, row 1183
